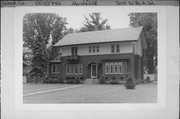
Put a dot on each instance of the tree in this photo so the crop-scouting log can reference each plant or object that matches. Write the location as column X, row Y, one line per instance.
column 96, row 22
column 40, row 32
column 149, row 23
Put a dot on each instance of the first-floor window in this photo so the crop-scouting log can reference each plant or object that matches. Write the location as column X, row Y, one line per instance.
column 55, row 68
column 115, row 67
column 111, row 68
column 89, row 48
column 120, row 68
column 71, row 69
column 80, row 69
column 74, row 69
column 106, row 68
column 67, row 69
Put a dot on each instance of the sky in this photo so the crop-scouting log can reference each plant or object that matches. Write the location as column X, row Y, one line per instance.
column 75, row 17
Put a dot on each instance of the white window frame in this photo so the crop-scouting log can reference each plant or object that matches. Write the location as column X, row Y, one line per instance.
column 71, row 69
column 57, row 67
column 94, row 48
column 90, row 50
column 120, row 65
column 80, row 69
column 115, row 66
column 75, row 69
column 97, row 48
column 111, row 67
column 67, row 69
column 113, row 48
column 117, row 47
column 107, row 67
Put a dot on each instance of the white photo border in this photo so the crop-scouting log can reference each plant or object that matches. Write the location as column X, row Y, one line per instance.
column 161, row 102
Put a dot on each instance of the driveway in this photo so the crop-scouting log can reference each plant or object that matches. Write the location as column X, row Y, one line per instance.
column 65, row 93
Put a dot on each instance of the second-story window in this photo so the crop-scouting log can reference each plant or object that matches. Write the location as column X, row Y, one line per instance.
column 115, row 48
column 74, row 51
column 94, row 48
column 97, row 48
column 89, row 48
column 112, row 48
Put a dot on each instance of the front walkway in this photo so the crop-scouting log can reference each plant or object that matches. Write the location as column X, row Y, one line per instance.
column 65, row 93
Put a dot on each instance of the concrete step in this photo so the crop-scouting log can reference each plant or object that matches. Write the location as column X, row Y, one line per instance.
column 91, row 81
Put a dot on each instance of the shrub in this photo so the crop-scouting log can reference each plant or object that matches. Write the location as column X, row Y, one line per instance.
column 70, row 81
column 102, row 80
column 148, row 80
column 61, row 80
column 81, row 78
column 114, row 82
column 130, row 83
column 46, row 80
column 54, row 80
column 77, row 80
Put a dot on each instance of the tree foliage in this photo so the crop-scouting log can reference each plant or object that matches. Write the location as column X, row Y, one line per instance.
column 149, row 23
column 94, row 22
column 40, row 32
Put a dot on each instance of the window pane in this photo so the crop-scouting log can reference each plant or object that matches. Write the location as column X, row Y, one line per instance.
column 53, row 68
column 93, row 48
column 80, row 69
column 76, row 69
column 57, row 68
column 111, row 69
column 67, row 69
column 72, row 50
column 89, row 48
column 71, row 69
column 97, row 48
column 76, row 50
column 106, row 68
column 120, row 67
column 115, row 68
column 112, row 48
column 117, row 47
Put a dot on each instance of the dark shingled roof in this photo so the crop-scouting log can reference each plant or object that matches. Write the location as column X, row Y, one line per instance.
column 113, row 35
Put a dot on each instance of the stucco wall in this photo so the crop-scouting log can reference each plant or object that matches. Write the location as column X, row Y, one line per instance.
column 125, row 47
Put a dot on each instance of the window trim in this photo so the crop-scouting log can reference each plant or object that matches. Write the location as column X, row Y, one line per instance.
column 80, row 67
column 111, row 67
column 117, row 48
column 107, row 67
column 57, row 68
column 115, row 66
column 74, row 69
column 97, row 48
column 112, row 48
column 89, row 48
column 120, row 65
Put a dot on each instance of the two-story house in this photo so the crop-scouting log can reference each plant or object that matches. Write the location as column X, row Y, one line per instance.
column 109, row 53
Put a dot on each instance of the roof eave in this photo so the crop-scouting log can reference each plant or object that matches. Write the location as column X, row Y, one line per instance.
column 95, row 43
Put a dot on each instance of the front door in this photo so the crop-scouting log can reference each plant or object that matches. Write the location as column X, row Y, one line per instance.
column 94, row 71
